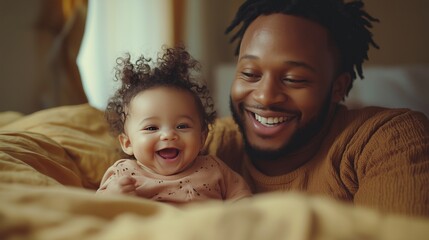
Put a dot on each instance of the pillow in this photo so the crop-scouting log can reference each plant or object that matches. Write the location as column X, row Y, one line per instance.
column 8, row 117
column 81, row 131
column 34, row 159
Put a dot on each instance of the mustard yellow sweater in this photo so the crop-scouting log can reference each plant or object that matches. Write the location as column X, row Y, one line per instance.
column 373, row 157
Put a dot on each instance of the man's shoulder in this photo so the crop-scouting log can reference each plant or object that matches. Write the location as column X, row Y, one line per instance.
column 374, row 126
column 363, row 123
column 224, row 124
column 225, row 141
column 379, row 114
column 224, row 131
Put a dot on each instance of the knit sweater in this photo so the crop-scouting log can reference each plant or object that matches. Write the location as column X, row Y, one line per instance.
column 373, row 157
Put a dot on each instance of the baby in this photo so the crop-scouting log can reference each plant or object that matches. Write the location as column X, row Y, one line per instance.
column 161, row 116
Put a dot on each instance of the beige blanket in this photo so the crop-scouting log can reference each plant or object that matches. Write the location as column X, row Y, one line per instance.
column 52, row 161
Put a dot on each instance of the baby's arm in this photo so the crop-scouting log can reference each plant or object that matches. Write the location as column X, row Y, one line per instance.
column 118, row 179
column 122, row 185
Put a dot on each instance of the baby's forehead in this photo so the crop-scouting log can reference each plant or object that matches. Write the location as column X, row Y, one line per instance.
column 156, row 101
column 166, row 94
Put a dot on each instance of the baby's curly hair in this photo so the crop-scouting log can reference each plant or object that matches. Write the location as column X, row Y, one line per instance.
column 174, row 67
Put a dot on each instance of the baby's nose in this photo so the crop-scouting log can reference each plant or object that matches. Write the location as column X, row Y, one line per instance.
column 168, row 135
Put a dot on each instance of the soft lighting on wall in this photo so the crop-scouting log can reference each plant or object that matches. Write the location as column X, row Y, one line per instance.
column 113, row 28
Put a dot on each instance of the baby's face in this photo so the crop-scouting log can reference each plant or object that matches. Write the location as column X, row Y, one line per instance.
column 163, row 130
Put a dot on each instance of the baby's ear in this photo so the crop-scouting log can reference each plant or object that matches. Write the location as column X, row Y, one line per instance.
column 125, row 144
column 204, row 137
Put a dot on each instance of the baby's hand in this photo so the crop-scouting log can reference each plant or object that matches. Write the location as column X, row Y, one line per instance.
column 124, row 185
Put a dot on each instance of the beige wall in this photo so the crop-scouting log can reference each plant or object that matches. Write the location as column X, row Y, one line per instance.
column 402, row 33
column 18, row 63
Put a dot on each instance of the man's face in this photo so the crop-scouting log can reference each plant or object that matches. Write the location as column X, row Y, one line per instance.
column 285, row 83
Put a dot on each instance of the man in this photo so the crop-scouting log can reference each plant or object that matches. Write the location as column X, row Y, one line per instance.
column 297, row 61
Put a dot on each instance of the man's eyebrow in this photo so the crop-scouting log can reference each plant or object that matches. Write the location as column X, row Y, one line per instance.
column 300, row 64
column 287, row 62
column 248, row 56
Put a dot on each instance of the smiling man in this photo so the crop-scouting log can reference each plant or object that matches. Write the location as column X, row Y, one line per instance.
column 283, row 88
column 296, row 62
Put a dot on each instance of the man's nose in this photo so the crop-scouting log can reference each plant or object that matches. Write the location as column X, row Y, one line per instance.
column 269, row 91
column 168, row 134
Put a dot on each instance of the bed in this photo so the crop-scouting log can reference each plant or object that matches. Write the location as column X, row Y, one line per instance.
column 52, row 161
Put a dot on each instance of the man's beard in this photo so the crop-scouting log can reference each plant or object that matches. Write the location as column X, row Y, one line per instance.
column 300, row 138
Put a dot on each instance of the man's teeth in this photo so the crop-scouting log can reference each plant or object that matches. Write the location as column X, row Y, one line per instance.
column 270, row 120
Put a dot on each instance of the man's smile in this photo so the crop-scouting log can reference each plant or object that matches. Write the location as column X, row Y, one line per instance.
column 271, row 121
column 269, row 126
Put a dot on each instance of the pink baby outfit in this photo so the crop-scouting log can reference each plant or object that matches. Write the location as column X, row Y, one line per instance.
column 207, row 178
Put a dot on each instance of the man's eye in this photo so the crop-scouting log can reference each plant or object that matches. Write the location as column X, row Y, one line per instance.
column 292, row 80
column 250, row 76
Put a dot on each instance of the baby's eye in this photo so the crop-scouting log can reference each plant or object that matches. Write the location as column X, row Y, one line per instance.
column 150, row 128
column 182, row 126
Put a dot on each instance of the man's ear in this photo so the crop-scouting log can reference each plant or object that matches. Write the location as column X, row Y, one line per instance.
column 125, row 144
column 340, row 86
